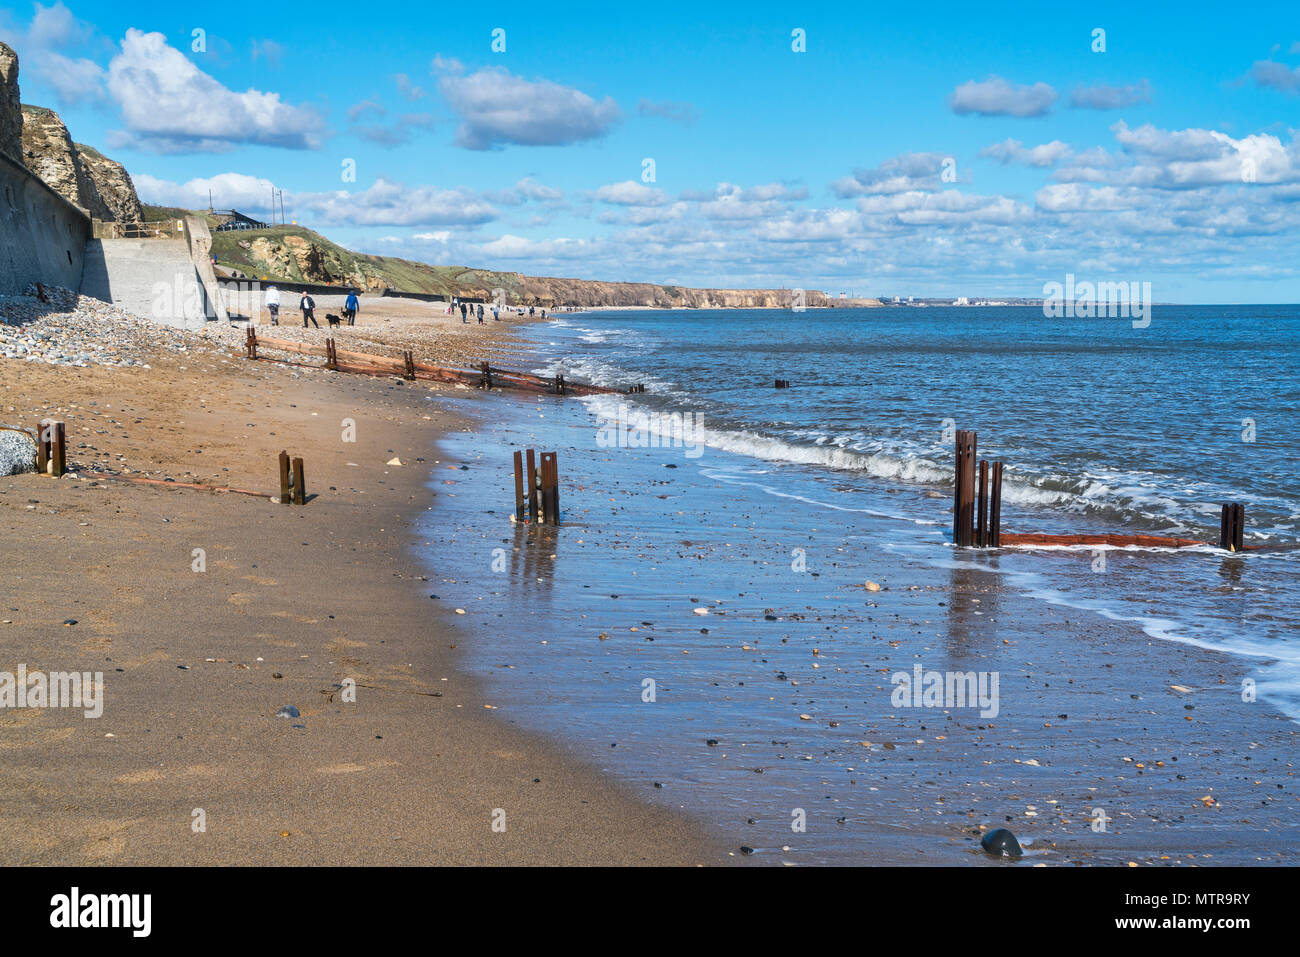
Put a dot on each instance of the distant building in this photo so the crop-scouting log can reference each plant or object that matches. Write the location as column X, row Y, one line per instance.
column 233, row 219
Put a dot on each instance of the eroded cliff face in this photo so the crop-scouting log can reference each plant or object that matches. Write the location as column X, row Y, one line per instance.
column 113, row 184
column 11, row 114
column 550, row 292
column 81, row 175
column 297, row 258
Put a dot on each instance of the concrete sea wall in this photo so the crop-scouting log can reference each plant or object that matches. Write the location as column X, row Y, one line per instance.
column 42, row 235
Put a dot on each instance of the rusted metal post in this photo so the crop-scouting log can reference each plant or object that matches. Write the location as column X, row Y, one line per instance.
column 43, row 437
column 1225, row 527
column 550, row 489
column 1238, row 523
column 299, row 483
column 557, row 385
column 250, row 343
column 59, row 449
column 485, row 376
column 331, row 355
column 519, row 487
column 409, row 361
column 532, row 488
column 982, row 511
column 284, row 478
column 995, row 508
column 964, row 493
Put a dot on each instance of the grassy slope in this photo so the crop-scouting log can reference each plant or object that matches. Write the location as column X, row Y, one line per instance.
column 402, row 274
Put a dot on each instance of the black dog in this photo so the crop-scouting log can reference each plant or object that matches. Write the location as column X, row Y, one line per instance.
column 332, row 320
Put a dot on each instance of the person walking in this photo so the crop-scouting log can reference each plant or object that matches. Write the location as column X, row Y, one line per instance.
column 496, row 314
column 480, row 313
column 273, row 304
column 308, row 306
column 350, row 307
column 462, row 313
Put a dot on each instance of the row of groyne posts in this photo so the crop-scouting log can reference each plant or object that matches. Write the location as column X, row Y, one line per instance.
column 977, row 512
column 484, row 377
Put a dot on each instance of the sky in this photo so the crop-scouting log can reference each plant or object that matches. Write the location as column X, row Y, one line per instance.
column 926, row 149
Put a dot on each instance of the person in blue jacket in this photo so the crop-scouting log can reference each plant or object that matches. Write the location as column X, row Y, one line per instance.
column 350, row 307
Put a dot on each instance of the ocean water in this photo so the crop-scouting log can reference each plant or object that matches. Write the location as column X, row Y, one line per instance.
column 1103, row 427
column 730, row 575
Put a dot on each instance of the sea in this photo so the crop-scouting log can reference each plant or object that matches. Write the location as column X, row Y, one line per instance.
column 727, row 546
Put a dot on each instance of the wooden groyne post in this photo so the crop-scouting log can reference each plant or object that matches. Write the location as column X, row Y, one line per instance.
column 250, row 344
column 1232, row 525
column 543, row 483
column 293, row 482
column 977, row 496
column 51, row 448
column 331, row 356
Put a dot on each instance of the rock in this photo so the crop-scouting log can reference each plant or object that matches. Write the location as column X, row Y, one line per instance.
column 1001, row 843
column 17, row 452
column 394, row 461
column 11, row 111
column 288, row 711
column 80, row 174
column 872, row 586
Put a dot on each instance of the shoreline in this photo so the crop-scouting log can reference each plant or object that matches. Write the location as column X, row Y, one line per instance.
column 292, row 601
column 789, row 675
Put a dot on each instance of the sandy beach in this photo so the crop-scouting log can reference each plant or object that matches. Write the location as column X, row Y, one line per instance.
column 292, row 602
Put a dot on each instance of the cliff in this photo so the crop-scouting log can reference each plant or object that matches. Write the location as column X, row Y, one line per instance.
column 296, row 254
column 11, row 114
column 80, row 174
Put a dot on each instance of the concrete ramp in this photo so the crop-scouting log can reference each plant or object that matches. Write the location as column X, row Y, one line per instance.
column 153, row 278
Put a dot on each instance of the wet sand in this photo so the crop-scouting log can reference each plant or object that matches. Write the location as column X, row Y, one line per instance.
column 292, row 602
column 780, row 697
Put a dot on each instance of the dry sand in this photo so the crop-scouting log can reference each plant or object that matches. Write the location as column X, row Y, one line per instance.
column 293, row 601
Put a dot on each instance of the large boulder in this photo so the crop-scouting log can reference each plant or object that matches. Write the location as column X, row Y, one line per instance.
column 17, row 452
column 11, row 113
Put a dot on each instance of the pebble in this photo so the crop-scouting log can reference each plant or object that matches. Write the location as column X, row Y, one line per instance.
column 73, row 330
column 1001, row 843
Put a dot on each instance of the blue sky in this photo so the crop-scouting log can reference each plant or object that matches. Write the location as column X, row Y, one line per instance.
column 924, row 149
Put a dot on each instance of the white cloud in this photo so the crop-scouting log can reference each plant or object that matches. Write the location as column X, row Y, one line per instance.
column 630, row 193
column 270, row 52
column 228, row 191
column 996, row 97
column 496, row 107
column 683, row 113
column 408, row 89
column 899, row 174
column 1191, row 158
column 386, row 203
column 170, row 105
column 1276, row 75
column 1041, row 156
column 1110, row 97
column 53, row 31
